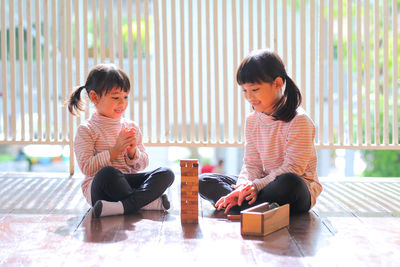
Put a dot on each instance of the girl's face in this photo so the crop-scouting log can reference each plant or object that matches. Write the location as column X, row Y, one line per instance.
column 111, row 105
column 263, row 96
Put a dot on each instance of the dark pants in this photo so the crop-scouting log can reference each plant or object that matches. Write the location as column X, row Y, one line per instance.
column 286, row 188
column 133, row 190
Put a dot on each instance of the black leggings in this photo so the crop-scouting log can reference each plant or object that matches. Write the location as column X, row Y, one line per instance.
column 133, row 190
column 286, row 188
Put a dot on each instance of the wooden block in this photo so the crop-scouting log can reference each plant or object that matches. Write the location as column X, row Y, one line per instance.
column 189, row 163
column 261, row 220
column 189, row 197
column 190, row 187
column 234, row 217
column 192, row 178
column 189, row 172
column 189, row 193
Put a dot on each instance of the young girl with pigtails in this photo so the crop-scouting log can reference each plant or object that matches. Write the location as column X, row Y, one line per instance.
column 110, row 152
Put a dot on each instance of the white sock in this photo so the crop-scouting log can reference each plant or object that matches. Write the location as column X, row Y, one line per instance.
column 161, row 203
column 107, row 208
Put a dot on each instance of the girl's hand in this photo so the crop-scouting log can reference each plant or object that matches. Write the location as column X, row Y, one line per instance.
column 126, row 140
column 228, row 201
column 247, row 192
column 131, row 149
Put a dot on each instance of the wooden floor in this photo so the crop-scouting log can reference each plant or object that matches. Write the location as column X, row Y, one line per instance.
column 45, row 221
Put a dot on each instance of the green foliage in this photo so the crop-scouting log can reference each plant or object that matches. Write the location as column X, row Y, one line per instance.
column 381, row 163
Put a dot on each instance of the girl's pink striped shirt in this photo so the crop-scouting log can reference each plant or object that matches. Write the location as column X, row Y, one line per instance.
column 93, row 141
column 276, row 147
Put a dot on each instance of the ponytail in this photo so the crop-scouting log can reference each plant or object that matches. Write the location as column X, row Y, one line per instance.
column 286, row 108
column 74, row 102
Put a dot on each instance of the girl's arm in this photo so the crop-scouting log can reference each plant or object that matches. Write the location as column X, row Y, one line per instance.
column 140, row 159
column 84, row 146
column 298, row 152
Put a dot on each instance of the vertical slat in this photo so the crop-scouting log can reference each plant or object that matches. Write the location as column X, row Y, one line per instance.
column 63, row 41
column 216, row 72
column 148, row 76
column 139, row 62
column 4, row 67
column 293, row 40
column 85, row 40
column 208, row 67
column 69, row 84
column 340, row 70
column 157, row 68
column 275, row 26
column 385, row 73
column 102, row 37
column 120, row 37
column 312, row 60
column 259, row 18
column 284, row 30
column 77, row 52
column 251, row 37
column 321, row 74
column 395, row 74
column 359, row 75
column 46, row 67
column 200, row 69
column 367, row 76
column 130, row 60
column 94, row 50
column 267, row 24
column 330, row 73
column 12, row 72
column 242, row 104
column 38, row 69
column 111, row 30
column 349, row 72
column 94, row 8
column 376, row 72
column 174, row 63
column 55, row 69
column 21, row 67
column 235, row 63
column 166, row 70
column 183, row 69
column 225, row 67
column 303, row 52
column 192, row 121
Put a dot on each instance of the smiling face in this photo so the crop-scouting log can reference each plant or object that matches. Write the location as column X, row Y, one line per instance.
column 263, row 96
column 111, row 105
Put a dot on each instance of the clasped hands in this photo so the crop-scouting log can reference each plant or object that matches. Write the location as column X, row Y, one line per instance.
column 126, row 140
column 242, row 192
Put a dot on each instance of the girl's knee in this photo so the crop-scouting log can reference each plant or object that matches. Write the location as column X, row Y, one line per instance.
column 167, row 174
column 205, row 181
column 107, row 173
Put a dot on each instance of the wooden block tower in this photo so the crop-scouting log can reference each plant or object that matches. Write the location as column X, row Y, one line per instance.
column 189, row 190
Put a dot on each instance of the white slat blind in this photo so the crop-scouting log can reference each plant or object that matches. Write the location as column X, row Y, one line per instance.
column 181, row 57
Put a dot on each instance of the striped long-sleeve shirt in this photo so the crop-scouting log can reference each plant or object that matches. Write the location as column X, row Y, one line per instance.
column 93, row 141
column 275, row 147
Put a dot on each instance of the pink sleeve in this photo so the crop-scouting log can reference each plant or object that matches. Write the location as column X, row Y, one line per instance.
column 88, row 160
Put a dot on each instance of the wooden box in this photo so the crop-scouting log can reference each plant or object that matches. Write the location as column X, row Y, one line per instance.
column 262, row 219
column 189, row 190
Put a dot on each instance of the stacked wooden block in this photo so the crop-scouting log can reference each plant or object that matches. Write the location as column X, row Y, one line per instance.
column 189, row 190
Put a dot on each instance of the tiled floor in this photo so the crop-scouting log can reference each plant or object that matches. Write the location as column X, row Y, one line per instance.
column 44, row 221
